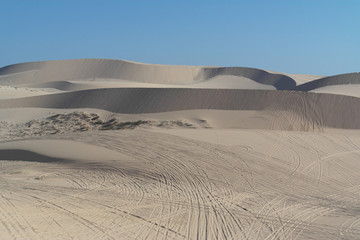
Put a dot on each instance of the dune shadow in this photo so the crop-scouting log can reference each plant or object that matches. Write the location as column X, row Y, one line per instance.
column 28, row 156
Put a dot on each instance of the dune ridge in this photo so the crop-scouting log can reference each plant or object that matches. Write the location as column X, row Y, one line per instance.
column 59, row 74
column 92, row 69
column 324, row 109
column 342, row 79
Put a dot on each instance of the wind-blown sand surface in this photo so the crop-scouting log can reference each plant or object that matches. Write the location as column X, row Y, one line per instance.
column 110, row 149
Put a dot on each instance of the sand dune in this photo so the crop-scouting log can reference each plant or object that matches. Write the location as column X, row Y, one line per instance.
column 298, row 78
column 350, row 78
column 110, row 149
column 310, row 108
column 92, row 69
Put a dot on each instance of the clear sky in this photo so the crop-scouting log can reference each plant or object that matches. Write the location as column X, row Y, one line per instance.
column 295, row 36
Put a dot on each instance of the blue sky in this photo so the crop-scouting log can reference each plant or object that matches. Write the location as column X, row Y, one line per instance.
column 308, row 36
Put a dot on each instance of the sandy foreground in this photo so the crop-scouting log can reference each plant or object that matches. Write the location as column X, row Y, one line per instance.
column 110, row 149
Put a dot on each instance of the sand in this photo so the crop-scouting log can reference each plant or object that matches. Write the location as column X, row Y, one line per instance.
column 110, row 149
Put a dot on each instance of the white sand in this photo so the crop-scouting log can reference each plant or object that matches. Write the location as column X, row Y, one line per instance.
column 107, row 149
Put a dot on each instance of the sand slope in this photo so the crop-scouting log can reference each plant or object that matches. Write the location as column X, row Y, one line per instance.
column 165, row 186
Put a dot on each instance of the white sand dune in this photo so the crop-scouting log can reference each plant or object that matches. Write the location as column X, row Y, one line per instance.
column 93, row 69
column 299, row 78
column 344, row 84
column 110, row 149
column 311, row 110
column 343, row 79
